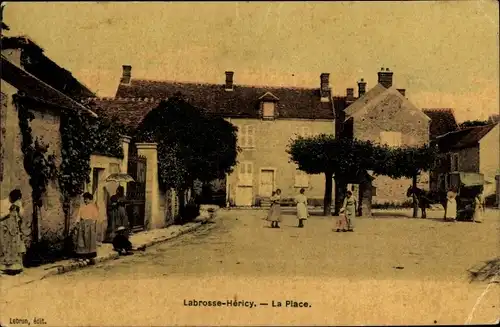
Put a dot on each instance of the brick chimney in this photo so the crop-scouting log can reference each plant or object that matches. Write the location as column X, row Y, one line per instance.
column 349, row 95
column 385, row 77
column 126, row 75
column 229, row 81
column 325, row 85
column 402, row 91
column 361, row 88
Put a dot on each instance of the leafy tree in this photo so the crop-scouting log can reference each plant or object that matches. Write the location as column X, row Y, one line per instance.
column 472, row 123
column 191, row 144
column 346, row 159
column 410, row 162
column 350, row 159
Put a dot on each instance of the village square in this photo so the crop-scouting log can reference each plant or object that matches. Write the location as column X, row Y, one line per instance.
column 215, row 196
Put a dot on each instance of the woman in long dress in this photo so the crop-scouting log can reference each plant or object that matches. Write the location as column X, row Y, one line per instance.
column 117, row 213
column 301, row 203
column 86, row 232
column 478, row 208
column 12, row 246
column 350, row 205
column 451, row 207
column 274, row 215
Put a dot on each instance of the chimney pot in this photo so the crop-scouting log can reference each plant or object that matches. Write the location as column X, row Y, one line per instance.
column 350, row 92
column 229, row 80
column 325, row 84
column 126, row 74
column 361, row 88
column 385, row 78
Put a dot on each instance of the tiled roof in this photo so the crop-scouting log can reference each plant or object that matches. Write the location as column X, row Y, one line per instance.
column 464, row 138
column 388, row 98
column 243, row 101
column 38, row 64
column 442, row 121
column 37, row 89
column 128, row 111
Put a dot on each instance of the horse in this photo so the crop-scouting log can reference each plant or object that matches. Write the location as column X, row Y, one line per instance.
column 422, row 198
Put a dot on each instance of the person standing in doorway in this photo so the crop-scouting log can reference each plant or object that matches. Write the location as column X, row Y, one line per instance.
column 12, row 247
column 274, row 215
column 301, row 203
column 350, row 207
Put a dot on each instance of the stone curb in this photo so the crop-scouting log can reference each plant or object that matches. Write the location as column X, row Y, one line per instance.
column 112, row 256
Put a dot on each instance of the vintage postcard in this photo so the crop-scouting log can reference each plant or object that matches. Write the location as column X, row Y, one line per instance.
column 249, row 163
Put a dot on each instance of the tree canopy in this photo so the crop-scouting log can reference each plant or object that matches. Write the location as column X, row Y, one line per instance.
column 191, row 144
column 349, row 160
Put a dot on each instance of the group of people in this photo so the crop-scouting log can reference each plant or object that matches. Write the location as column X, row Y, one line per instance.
column 451, row 211
column 88, row 231
column 344, row 223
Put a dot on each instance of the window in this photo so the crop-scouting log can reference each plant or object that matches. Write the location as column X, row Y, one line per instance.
column 305, row 131
column 301, row 179
column 245, row 175
column 454, row 162
column 268, row 109
column 392, row 139
column 246, row 136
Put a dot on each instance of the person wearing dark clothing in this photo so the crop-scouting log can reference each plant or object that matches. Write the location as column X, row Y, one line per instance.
column 121, row 243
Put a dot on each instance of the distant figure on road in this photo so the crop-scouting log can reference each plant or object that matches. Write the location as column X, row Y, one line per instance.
column 274, row 215
column 478, row 208
column 451, row 207
column 117, row 213
column 341, row 224
column 350, row 207
column 421, row 198
column 121, row 242
column 301, row 202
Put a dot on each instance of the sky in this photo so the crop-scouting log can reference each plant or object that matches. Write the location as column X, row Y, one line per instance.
column 444, row 53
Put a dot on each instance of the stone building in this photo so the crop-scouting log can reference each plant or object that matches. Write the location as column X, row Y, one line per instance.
column 267, row 118
column 384, row 115
column 470, row 150
column 46, row 103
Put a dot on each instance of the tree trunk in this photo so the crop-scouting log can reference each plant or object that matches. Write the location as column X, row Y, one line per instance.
column 327, row 201
column 340, row 190
column 414, row 196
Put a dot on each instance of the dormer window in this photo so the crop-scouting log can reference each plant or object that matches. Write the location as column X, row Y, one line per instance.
column 268, row 110
column 268, row 103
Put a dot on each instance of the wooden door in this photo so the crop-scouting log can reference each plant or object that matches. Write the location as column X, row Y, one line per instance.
column 266, row 182
column 244, row 196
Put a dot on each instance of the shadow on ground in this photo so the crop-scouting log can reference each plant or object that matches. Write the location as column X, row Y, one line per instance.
column 485, row 270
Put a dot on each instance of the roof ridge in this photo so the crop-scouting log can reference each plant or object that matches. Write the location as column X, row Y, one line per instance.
column 222, row 84
column 132, row 99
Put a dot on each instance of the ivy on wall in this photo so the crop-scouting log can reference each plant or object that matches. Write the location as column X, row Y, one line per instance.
column 82, row 136
column 39, row 165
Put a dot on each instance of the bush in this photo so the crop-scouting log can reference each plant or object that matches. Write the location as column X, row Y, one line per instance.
column 393, row 205
column 45, row 252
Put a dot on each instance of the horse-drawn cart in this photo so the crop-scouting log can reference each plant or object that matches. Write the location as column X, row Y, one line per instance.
column 468, row 186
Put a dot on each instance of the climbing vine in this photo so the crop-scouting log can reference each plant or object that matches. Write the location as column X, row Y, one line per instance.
column 39, row 165
column 82, row 136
